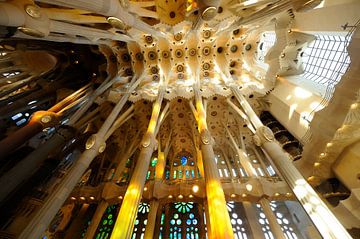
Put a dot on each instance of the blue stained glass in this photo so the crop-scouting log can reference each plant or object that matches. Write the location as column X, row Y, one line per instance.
column 193, row 173
column 167, row 174
column 188, row 221
column 187, row 174
column 184, row 160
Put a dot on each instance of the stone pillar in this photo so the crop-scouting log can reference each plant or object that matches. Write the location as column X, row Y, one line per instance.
column 253, row 220
column 151, row 220
column 274, row 225
column 96, row 219
column 76, row 225
column 320, row 214
column 219, row 219
column 125, row 221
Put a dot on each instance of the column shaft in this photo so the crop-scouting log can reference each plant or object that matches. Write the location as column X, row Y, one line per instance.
column 274, row 225
column 27, row 166
column 14, row 140
column 94, row 223
column 322, row 217
column 253, row 221
column 219, row 219
column 160, row 166
column 151, row 220
column 76, row 225
column 125, row 221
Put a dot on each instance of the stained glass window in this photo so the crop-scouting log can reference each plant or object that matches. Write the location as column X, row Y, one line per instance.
column 107, row 223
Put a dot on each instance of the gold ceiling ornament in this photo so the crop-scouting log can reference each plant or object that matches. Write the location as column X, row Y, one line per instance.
column 209, row 13
column 31, row 32
column 171, row 12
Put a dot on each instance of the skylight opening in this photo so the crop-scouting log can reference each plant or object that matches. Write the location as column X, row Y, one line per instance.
column 326, row 59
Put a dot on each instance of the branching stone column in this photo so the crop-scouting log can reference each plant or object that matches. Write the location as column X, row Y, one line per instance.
column 218, row 213
column 94, row 145
column 322, row 217
column 151, row 220
column 125, row 221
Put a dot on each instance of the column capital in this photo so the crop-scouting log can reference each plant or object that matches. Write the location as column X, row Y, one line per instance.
column 45, row 118
column 262, row 135
column 149, row 140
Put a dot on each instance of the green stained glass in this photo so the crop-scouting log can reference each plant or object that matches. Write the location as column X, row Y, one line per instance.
column 184, row 207
column 174, row 174
column 162, row 219
column 148, row 175
column 180, row 173
column 187, row 174
column 154, row 162
column 193, row 173
column 105, row 228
